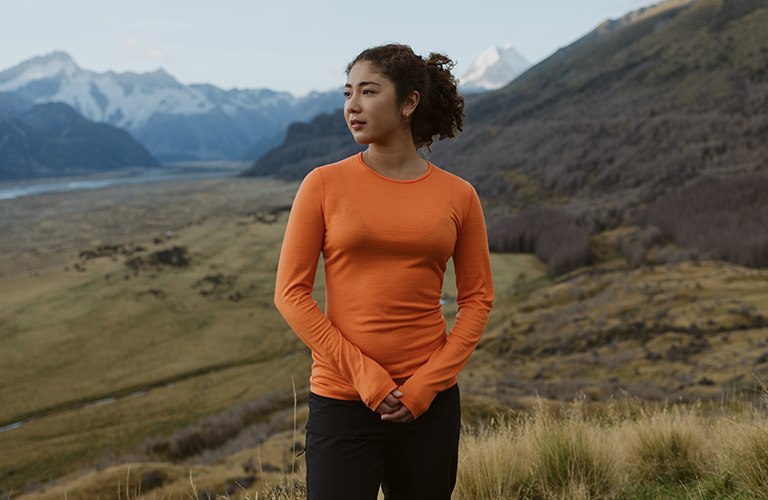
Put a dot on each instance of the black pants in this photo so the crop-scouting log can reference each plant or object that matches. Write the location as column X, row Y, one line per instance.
column 350, row 451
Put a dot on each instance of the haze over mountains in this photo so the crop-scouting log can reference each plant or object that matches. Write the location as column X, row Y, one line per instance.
column 174, row 121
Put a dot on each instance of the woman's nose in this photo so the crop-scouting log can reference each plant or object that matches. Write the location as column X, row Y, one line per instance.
column 352, row 104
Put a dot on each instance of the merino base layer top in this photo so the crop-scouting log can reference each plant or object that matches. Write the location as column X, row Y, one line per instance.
column 385, row 244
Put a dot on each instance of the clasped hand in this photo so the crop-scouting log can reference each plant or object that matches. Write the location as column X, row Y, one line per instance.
column 393, row 410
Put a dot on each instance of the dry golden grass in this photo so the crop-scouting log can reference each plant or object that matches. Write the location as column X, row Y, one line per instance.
column 623, row 449
column 683, row 331
column 627, row 450
column 103, row 358
column 99, row 359
column 172, row 357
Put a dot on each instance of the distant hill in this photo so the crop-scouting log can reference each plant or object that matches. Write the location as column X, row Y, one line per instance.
column 326, row 139
column 53, row 139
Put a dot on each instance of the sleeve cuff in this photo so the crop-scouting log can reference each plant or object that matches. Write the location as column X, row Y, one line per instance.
column 416, row 401
column 376, row 400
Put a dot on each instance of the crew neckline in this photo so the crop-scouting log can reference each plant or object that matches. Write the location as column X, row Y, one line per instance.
column 423, row 176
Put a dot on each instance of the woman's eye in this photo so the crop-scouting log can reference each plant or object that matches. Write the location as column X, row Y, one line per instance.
column 347, row 94
column 368, row 92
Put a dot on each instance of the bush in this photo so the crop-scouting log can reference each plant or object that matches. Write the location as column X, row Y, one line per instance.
column 551, row 234
column 724, row 217
column 214, row 431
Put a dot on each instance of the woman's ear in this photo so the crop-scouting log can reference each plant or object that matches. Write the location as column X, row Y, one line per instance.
column 410, row 104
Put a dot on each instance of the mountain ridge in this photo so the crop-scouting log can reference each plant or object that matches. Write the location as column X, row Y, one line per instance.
column 199, row 121
column 623, row 122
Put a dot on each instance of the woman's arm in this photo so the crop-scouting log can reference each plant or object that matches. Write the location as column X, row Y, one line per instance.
column 296, row 269
column 475, row 299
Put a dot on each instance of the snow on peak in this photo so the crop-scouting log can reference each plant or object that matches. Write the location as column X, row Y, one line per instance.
column 55, row 64
column 126, row 100
column 494, row 68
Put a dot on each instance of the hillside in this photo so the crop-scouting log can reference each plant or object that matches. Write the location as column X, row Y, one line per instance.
column 626, row 125
column 325, row 139
column 147, row 336
column 625, row 184
column 627, row 114
column 53, row 139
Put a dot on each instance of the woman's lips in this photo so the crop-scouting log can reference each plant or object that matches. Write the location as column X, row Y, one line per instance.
column 356, row 124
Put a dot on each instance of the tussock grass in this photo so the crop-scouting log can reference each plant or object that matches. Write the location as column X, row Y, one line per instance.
column 625, row 450
column 751, row 467
column 668, row 452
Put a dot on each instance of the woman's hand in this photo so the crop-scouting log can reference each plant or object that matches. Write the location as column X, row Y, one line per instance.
column 392, row 410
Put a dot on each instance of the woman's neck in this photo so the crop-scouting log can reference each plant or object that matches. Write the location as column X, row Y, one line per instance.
column 399, row 163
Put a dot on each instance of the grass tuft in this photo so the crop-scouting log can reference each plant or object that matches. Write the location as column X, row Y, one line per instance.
column 667, row 456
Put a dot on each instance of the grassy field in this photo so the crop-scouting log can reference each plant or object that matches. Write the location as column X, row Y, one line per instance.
column 157, row 354
column 118, row 344
column 622, row 449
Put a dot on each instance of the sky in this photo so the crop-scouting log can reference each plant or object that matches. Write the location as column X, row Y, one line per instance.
column 289, row 45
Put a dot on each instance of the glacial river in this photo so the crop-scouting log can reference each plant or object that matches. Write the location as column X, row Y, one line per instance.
column 16, row 189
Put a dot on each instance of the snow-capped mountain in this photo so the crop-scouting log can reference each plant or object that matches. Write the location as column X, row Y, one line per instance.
column 493, row 68
column 174, row 121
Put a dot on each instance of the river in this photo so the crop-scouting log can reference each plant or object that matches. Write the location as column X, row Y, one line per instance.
column 19, row 188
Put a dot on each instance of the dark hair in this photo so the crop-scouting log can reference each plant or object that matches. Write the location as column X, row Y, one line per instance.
column 441, row 109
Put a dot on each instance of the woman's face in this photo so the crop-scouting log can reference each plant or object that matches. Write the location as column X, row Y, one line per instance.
column 371, row 109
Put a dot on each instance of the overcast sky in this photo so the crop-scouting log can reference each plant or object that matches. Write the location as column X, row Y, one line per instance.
column 293, row 45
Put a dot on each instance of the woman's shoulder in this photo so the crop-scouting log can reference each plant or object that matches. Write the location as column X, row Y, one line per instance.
column 456, row 181
column 336, row 167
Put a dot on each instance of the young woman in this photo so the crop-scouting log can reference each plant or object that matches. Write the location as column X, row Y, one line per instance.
column 384, row 404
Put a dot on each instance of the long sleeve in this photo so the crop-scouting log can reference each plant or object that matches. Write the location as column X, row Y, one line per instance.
column 302, row 244
column 475, row 299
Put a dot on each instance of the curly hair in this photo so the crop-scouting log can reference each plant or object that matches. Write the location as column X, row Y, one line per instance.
column 441, row 109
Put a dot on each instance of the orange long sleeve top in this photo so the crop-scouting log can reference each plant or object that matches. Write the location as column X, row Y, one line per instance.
column 385, row 244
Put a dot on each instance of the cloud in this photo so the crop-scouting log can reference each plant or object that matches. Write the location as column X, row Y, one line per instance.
column 130, row 42
column 134, row 49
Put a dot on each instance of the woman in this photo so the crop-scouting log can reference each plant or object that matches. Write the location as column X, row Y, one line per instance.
column 384, row 404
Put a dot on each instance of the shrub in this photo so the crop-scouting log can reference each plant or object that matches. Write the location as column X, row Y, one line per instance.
column 724, row 217
column 634, row 246
column 551, row 234
column 214, row 431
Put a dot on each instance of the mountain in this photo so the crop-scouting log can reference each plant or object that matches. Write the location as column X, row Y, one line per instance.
column 54, row 139
column 493, row 68
column 627, row 113
column 325, row 139
column 657, row 119
column 626, row 126
column 172, row 120
column 10, row 105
